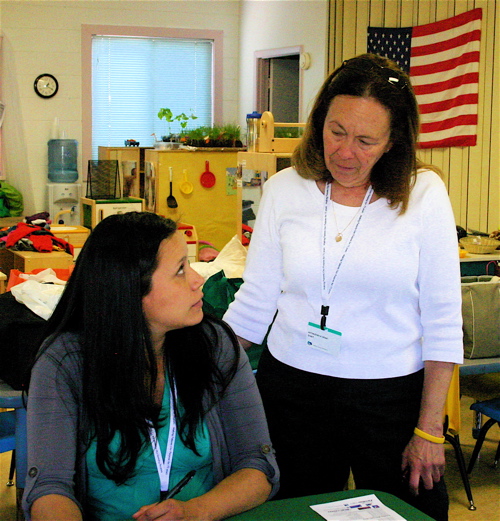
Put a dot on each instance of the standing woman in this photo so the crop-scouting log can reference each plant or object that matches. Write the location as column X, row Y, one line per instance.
column 134, row 389
column 354, row 256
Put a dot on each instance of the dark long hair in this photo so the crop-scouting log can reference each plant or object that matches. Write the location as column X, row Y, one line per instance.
column 368, row 75
column 102, row 303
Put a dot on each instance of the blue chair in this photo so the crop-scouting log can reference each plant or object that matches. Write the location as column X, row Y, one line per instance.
column 8, row 440
column 14, row 426
column 490, row 408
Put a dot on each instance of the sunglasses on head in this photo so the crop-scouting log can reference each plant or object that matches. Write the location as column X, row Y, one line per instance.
column 393, row 77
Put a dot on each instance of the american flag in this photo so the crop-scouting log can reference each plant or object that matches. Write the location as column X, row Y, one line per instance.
column 442, row 59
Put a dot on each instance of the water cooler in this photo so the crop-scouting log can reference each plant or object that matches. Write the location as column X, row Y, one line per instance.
column 64, row 203
column 62, row 192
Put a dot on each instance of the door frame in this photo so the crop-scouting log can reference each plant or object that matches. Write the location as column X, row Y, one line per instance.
column 262, row 65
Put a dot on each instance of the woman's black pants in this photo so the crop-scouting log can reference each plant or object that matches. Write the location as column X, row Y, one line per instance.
column 322, row 427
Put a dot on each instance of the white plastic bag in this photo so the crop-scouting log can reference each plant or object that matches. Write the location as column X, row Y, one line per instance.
column 231, row 260
column 40, row 298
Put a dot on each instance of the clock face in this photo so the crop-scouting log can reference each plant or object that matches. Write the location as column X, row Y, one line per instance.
column 46, row 85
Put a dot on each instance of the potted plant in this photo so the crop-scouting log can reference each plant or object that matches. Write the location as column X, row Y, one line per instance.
column 214, row 136
column 182, row 118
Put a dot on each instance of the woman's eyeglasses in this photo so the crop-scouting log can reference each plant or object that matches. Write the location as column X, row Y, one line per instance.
column 364, row 65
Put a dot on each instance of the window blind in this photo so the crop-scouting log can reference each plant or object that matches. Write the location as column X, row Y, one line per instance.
column 134, row 77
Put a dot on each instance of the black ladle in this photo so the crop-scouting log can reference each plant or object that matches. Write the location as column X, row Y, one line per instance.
column 171, row 200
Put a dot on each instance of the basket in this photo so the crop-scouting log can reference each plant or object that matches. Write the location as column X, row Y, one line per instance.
column 479, row 245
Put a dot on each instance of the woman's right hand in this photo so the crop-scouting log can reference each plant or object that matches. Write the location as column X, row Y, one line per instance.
column 244, row 489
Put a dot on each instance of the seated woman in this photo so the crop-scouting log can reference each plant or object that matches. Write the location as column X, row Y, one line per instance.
column 134, row 389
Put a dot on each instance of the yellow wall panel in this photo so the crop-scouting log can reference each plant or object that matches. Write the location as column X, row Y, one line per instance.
column 216, row 211
column 470, row 173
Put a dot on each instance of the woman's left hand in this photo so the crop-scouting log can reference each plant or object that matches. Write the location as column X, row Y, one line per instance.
column 169, row 510
column 423, row 462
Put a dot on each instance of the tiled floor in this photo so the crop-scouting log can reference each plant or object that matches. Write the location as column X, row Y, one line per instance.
column 485, row 480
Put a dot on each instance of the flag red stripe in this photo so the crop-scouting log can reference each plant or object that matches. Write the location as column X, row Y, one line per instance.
column 440, row 86
column 440, row 106
column 444, row 62
column 450, row 23
column 445, row 65
column 432, row 48
column 455, row 141
column 436, row 126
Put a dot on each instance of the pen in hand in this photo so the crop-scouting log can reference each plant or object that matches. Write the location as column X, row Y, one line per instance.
column 167, row 494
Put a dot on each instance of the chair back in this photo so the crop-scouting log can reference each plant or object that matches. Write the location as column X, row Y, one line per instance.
column 16, row 423
column 7, row 431
column 452, row 405
column 103, row 179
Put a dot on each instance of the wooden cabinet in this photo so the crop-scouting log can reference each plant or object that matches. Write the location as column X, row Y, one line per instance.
column 75, row 235
column 131, row 167
column 93, row 211
column 270, row 163
column 214, row 211
column 27, row 261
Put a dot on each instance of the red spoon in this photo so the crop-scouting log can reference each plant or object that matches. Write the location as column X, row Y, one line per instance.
column 207, row 179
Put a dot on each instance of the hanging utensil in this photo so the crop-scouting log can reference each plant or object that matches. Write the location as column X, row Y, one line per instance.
column 186, row 187
column 171, row 201
column 207, row 179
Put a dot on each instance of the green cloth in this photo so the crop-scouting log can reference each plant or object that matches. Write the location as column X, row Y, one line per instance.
column 111, row 502
column 4, row 210
column 12, row 199
column 218, row 293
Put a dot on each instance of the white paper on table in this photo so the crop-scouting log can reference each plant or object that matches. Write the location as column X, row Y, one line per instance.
column 357, row 508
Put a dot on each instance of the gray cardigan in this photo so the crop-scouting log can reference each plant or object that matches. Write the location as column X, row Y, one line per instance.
column 56, row 462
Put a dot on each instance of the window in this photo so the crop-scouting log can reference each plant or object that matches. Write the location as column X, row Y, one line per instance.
column 132, row 78
column 89, row 32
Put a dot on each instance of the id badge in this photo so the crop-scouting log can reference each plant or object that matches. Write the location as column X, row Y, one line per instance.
column 326, row 340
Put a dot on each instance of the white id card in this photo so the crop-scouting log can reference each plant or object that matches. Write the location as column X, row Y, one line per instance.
column 326, row 340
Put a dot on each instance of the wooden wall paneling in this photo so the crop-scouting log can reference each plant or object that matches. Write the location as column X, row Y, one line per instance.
column 339, row 32
column 423, row 16
column 478, row 176
column 470, row 173
column 491, row 12
column 408, row 14
column 424, row 11
column 457, row 186
column 495, row 127
column 484, row 123
column 349, row 30
column 330, row 37
column 391, row 13
column 377, row 13
column 362, row 23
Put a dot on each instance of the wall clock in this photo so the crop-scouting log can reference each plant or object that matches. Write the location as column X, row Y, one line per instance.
column 46, row 86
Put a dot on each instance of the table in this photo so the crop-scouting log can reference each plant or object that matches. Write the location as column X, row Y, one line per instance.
column 480, row 366
column 27, row 261
column 477, row 264
column 298, row 509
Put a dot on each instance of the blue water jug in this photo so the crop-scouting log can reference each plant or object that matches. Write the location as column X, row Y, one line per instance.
column 63, row 154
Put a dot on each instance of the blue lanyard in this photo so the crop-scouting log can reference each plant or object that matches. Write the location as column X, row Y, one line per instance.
column 325, row 293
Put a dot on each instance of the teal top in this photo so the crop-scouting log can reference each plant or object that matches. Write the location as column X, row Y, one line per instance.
column 110, row 502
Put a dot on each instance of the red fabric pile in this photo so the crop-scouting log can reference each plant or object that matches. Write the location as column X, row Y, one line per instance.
column 41, row 239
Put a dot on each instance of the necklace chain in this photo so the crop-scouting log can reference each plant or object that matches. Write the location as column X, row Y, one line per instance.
column 340, row 235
